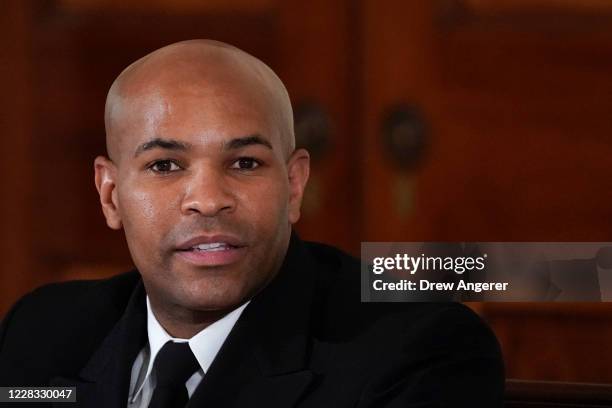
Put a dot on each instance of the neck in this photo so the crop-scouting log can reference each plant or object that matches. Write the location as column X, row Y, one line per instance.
column 182, row 323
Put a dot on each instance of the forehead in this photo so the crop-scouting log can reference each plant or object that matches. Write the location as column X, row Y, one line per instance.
column 197, row 115
column 194, row 88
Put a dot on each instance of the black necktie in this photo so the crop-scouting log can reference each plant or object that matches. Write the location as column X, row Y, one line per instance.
column 174, row 364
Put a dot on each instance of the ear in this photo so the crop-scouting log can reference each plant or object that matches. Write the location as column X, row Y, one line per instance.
column 106, row 173
column 298, row 170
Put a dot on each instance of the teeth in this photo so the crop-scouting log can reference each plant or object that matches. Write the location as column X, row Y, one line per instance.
column 215, row 246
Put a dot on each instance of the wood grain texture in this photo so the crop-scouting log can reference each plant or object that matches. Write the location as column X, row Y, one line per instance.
column 17, row 210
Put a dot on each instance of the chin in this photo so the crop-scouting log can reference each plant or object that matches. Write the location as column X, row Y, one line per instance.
column 205, row 296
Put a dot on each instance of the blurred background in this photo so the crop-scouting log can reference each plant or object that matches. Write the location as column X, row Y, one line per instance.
column 456, row 120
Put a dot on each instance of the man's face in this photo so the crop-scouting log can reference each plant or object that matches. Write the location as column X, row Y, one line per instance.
column 203, row 193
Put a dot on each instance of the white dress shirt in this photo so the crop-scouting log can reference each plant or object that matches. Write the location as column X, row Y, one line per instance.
column 205, row 345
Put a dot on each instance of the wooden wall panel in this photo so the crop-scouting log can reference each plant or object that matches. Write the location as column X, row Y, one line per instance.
column 519, row 130
column 399, row 69
column 167, row 6
column 572, row 7
column 517, row 109
column 319, row 52
column 554, row 342
column 17, row 211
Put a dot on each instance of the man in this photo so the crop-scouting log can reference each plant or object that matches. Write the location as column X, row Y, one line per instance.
column 228, row 308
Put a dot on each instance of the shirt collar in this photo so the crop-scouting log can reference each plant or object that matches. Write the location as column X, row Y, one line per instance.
column 205, row 345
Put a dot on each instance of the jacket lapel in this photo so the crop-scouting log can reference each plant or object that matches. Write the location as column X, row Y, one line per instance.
column 264, row 359
column 104, row 381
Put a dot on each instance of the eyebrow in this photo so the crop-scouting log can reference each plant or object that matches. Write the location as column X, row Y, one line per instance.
column 171, row 144
column 247, row 141
column 167, row 144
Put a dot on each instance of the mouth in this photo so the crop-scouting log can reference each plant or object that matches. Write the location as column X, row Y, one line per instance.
column 211, row 251
column 212, row 247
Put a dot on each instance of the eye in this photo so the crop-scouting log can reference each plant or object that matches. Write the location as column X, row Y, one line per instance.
column 164, row 166
column 245, row 163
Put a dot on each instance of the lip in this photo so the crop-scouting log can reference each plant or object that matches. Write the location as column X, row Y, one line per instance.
column 209, row 239
column 223, row 257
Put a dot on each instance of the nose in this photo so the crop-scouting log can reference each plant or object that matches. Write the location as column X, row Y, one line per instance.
column 207, row 194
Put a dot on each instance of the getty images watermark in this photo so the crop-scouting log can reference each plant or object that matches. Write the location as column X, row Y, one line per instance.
column 486, row 271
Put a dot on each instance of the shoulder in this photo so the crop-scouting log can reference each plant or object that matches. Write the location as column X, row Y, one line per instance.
column 338, row 290
column 445, row 346
column 63, row 322
column 333, row 264
column 338, row 297
column 340, row 313
column 71, row 298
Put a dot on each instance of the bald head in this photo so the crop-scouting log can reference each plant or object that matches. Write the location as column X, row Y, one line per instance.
column 202, row 74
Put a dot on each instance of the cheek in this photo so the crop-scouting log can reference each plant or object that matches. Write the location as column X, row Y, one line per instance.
column 266, row 203
column 143, row 205
column 144, row 212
